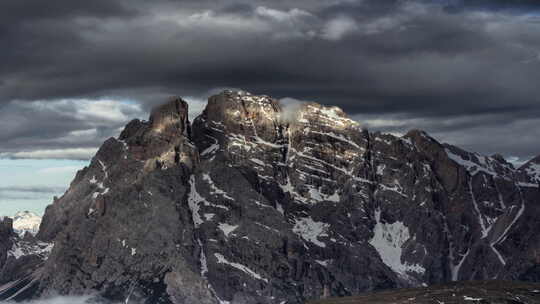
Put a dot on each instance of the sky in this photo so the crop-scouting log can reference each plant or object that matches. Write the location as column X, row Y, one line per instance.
column 29, row 184
column 74, row 73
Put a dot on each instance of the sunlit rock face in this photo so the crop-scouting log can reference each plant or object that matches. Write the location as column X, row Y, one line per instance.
column 259, row 202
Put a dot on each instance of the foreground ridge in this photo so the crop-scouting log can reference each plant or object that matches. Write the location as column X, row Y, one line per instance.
column 487, row 292
column 260, row 202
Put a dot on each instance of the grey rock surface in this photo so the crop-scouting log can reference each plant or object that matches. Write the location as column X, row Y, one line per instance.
column 255, row 202
column 21, row 260
column 485, row 292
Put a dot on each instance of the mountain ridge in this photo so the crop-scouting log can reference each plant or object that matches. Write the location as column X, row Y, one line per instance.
column 255, row 203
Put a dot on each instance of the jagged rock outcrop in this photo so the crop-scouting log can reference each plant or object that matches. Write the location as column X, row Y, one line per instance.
column 6, row 238
column 21, row 259
column 257, row 202
column 124, row 227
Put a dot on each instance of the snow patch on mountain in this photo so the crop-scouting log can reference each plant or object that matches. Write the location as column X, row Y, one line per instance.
column 533, row 170
column 227, row 229
column 318, row 196
column 215, row 189
column 194, row 199
column 388, row 240
column 471, row 166
column 213, row 148
column 222, row 260
column 310, row 230
column 23, row 248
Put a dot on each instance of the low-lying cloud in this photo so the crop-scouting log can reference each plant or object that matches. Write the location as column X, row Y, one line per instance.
column 290, row 108
column 59, row 300
column 71, row 300
column 31, row 189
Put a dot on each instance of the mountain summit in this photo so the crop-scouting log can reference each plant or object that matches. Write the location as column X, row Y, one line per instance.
column 257, row 202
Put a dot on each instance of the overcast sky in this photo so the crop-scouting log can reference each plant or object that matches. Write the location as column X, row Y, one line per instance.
column 72, row 73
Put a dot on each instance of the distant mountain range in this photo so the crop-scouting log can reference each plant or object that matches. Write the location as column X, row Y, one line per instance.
column 257, row 202
column 26, row 221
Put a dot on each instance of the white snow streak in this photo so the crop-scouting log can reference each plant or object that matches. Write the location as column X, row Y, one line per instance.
column 485, row 230
column 227, row 229
column 194, row 199
column 222, row 260
column 214, row 188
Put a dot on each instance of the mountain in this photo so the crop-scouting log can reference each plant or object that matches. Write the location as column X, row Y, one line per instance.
column 531, row 170
column 26, row 221
column 257, row 202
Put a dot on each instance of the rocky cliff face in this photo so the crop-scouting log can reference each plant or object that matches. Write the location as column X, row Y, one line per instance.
column 255, row 202
column 530, row 171
column 6, row 236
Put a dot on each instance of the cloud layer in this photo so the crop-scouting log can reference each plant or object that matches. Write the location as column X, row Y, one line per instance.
column 465, row 71
column 31, row 184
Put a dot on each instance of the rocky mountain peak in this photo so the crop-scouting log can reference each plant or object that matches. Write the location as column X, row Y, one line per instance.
column 259, row 202
column 239, row 112
column 498, row 157
column 326, row 117
column 533, row 161
column 531, row 170
column 164, row 140
column 255, row 112
column 423, row 140
column 228, row 102
column 417, row 135
column 170, row 118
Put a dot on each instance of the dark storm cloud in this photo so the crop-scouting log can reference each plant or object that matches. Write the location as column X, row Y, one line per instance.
column 58, row 129
column 20, row 12
column 472, row 65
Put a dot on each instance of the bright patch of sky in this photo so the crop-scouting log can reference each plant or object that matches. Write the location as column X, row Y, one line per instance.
column 30, row 184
